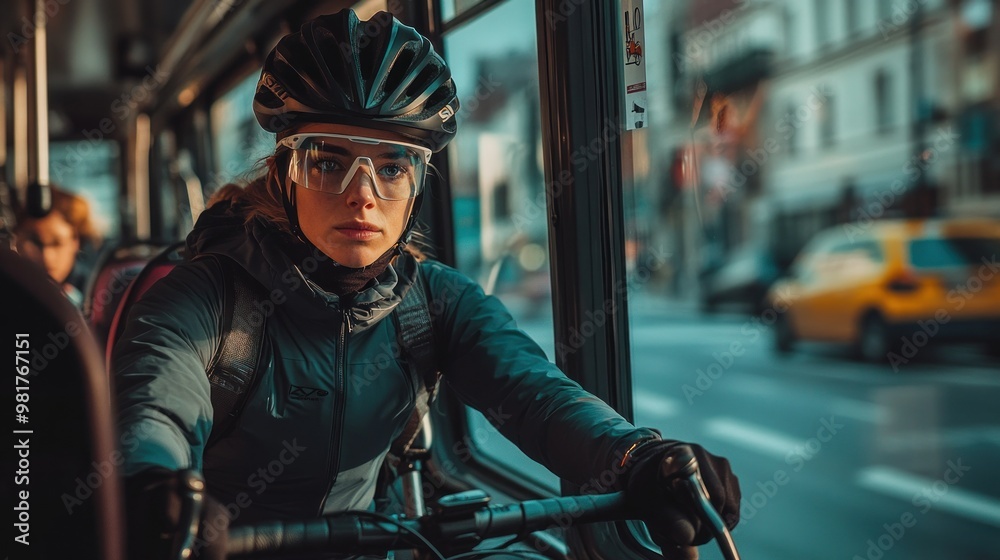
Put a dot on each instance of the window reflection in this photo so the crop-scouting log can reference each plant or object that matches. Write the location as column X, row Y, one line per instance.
column 497, row 186
column 820, row 180
column 239, row 142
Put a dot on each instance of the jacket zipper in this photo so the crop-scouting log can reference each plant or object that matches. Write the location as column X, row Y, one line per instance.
column 333, row 457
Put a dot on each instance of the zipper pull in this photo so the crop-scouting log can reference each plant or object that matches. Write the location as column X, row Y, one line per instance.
column 347, row 321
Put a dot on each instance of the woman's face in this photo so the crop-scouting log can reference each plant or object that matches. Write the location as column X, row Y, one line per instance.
column 52, row 243
column 355, row 227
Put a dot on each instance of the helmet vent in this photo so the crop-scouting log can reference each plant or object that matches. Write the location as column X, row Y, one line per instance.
column 268, row 99
column 423, row 80
column 368, row 60
column 400, row 70
column 441, row 96
column 379, row 73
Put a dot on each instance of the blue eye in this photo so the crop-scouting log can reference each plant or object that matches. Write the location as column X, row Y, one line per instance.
column 327, row 165
column 392, row 171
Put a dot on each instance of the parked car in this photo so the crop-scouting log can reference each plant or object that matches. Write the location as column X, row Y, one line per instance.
column 893, row 287
column 741, row 282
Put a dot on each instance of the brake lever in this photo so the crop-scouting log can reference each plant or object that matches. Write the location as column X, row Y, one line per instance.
column 683, row 469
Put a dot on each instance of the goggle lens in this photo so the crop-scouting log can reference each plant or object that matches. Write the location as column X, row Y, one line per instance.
column 329, row 163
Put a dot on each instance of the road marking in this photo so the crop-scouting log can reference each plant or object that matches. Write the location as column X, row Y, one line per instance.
column 935, row 439
column 905, row 486
column 651, row 404
column 678, row 338
column 751, row 384
column 859, row 410
column 752, row 437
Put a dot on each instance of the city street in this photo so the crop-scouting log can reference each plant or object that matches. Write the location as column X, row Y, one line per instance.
column 837, row 459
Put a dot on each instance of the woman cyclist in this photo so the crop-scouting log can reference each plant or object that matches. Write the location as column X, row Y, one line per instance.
column 357, row 108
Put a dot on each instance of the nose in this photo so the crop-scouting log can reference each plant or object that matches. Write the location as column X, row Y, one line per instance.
column 360, row 190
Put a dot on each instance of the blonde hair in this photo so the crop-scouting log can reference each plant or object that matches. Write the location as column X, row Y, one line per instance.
column 261, row 196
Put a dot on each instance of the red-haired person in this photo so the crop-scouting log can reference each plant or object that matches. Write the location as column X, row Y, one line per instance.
column 54, row 241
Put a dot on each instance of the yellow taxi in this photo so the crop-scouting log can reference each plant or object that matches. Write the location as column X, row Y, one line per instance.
column 892, row 287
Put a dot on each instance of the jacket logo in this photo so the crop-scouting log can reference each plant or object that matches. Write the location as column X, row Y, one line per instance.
column 306, row 393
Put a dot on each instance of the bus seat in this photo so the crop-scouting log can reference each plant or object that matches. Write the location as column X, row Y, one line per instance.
column 113, row 275
column 147, row 275
column 65, row 470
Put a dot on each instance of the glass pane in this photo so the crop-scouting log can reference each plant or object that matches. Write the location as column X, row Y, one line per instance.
column 497, row 184
column 955, row 252
column 90, row 169
column 452, row 8
column 239, row 142
column 760, row 138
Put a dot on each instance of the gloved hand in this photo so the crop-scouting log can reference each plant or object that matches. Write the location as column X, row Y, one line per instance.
column 168, row 511
column 670, row 518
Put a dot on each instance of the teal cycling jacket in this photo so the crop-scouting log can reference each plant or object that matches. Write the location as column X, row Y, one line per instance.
column 333, row 392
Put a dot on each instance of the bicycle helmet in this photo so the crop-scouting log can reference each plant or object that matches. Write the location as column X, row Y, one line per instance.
column 377, row 74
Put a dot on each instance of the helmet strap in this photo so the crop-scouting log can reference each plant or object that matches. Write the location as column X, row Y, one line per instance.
column 289, row 203
column 411, row 223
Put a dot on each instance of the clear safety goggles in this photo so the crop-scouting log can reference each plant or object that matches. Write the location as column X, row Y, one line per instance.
column 328, row 163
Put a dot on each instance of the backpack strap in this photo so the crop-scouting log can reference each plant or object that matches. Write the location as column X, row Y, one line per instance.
column 415, row 331
column 233, row 370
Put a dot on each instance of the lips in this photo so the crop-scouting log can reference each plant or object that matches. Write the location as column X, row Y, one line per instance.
column 358, row 230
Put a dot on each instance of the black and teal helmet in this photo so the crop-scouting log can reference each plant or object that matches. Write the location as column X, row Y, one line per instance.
column 377, row 74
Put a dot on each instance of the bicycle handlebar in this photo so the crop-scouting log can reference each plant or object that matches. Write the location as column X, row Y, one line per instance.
column 349, row 532
column 465, row 519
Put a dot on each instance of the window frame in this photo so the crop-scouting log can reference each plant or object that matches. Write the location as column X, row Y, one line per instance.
column 884, row 116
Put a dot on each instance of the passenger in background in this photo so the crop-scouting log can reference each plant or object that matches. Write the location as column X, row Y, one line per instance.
column 55, row 240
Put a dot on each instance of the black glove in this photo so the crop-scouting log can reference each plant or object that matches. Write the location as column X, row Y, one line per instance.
column 168, row 511
column 670, row 518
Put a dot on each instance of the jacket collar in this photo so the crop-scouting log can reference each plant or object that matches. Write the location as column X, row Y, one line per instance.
column 256, row 246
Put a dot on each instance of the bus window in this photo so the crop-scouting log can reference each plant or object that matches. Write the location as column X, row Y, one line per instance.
column 496, row 179
column 90, row 169
column 760, row 141
column 453, row 8
column 239, row 142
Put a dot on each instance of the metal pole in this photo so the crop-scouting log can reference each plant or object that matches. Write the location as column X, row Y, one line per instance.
column 918, row 88
column 41, row 95
column 3, row 119
column 20, row 112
